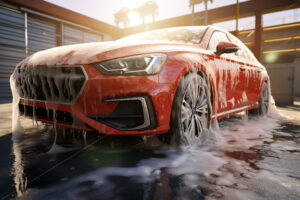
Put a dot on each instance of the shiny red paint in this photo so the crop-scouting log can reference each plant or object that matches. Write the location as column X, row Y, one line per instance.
column 224, row 45
column 235, row 83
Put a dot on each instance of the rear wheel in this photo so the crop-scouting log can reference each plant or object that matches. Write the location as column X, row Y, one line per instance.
column 191, row 110
column 264, row 102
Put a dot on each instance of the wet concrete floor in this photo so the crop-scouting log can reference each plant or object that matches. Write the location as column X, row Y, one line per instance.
column 258, row 158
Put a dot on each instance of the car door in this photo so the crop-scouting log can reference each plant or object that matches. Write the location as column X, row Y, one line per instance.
column 255, row 76
column 249, row 72
column 228, row 87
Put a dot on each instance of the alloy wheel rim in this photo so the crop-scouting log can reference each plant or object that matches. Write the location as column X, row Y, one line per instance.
column 194, row 110
column 265, row 101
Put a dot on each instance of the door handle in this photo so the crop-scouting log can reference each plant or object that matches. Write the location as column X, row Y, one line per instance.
column 206, row 58
column 243, row 68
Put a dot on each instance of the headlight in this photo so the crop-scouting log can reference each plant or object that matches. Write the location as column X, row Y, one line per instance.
column 133, row 65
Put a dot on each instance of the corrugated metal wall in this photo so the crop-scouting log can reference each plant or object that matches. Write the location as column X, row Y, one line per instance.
column 73, row 35
column 12, row 45
column 91, row 37
column 42, row 33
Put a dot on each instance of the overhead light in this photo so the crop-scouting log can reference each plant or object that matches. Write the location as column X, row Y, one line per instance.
column 282, row 39
column 281, row 51
column 281, row 26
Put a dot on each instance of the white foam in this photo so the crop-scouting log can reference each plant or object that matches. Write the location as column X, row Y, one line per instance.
column 87, row 53
column 17, row 129
column 194, row 162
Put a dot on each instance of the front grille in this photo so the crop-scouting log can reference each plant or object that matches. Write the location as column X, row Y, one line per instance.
column 50, row 83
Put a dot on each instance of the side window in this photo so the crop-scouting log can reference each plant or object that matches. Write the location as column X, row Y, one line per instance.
column 243, row 51
column 249, row 54
column 216, row 37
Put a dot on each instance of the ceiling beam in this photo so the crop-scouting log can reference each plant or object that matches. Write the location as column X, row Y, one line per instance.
column 221, row 14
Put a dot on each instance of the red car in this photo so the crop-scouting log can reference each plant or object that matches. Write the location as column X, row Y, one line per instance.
column 176, row 78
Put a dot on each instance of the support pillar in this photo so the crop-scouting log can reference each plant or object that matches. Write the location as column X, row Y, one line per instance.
column 258, row 35
column 237, row 18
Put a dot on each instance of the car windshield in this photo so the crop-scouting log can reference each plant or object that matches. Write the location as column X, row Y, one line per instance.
column 191, row 35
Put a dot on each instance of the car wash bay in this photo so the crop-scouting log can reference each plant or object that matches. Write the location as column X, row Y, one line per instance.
column 256, row 158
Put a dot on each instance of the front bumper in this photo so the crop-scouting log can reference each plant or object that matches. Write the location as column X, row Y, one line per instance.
column 113, row 105
column 132, row 113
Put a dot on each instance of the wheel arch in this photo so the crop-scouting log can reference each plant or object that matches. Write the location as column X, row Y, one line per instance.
column 203, row 72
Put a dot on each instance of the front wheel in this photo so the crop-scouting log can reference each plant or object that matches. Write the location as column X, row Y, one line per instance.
column 191, row 109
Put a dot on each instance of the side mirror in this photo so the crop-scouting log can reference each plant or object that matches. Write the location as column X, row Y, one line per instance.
column 226, row 47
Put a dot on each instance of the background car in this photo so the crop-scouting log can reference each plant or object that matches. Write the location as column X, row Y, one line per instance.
column 177, row 79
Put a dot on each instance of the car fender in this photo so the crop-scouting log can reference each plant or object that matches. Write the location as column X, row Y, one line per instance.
column 187, row 62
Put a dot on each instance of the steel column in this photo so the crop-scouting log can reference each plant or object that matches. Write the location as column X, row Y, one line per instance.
column 258, row 35
column 237, row 18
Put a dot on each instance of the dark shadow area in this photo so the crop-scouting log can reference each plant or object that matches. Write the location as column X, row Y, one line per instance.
column 5, row 100
column 6, row 163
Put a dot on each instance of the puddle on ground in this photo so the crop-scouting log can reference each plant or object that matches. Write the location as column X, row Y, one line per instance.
column 246, row 159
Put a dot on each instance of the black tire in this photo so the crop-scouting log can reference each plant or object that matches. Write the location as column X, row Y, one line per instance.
column 191, row 109
column 264, row 102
